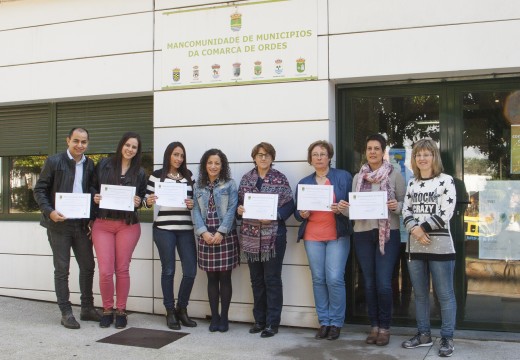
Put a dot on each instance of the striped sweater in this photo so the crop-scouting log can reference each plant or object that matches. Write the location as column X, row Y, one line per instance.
column 170, row 218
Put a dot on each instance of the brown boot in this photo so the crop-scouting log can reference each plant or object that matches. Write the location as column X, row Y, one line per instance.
column 372, row 337
column 383, row 338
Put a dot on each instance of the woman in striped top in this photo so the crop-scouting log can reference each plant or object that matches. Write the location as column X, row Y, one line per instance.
column 173, row 228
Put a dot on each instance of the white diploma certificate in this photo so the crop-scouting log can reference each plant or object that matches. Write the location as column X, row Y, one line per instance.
column 73, row 205
column 368, row 205
column 260, row 206
column 171, row 194
column 117, row 197
column 315, row 197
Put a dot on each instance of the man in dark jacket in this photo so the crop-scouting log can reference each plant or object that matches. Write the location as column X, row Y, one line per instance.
column 69, row 172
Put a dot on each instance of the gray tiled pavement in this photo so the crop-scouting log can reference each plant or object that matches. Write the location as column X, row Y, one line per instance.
column 31, row 330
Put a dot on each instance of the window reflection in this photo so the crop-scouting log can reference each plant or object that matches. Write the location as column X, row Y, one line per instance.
column 24, row 171
column 492, row 218
column 1, row 195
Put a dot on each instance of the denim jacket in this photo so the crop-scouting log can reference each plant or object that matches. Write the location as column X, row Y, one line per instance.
column 342, row 181
column 226, row 202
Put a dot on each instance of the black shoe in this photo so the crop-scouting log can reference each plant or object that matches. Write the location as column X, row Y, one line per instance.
column 107, row 319
column 69, row 321
column 121, row 319
column 269, row 331
column 223, row 325
column 256, row 328
column 213, row 326
column 334, row 333
column 90, row 313
column 322, row 333
column 182, row 315
column 171, row 319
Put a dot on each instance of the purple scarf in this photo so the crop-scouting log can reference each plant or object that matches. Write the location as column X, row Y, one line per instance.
column 257, row 240
column 381, row 176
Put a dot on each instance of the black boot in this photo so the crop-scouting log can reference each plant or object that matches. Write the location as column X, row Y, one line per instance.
column 182, row 315
column 171, row 320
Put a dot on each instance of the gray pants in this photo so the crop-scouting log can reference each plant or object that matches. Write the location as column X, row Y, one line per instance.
column 73, row 234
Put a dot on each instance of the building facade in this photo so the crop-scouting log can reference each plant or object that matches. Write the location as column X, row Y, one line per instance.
column 446, row 69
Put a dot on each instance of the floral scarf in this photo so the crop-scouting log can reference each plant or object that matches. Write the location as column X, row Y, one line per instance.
column 381, row 176
column 257, row 240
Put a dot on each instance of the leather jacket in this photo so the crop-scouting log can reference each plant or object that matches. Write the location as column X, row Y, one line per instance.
column 58, row 176
column 103, row 175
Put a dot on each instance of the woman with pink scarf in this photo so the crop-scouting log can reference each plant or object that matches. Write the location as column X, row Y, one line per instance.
column 377, row 242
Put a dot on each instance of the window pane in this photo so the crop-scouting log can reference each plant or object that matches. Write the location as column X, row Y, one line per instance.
column 492, row 219
column 1, row 187
column 23, row 174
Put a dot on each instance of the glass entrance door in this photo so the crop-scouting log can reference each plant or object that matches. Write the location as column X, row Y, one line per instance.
column 477, row 127
column 403, row 116
column 491, row 148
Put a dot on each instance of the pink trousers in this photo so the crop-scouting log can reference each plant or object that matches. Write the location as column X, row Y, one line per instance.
column 114, row 242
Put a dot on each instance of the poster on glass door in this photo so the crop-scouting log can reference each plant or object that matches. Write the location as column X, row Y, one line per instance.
column 499, row 221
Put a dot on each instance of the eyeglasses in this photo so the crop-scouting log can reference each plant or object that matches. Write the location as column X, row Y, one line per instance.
column 319, row 155
column 423, row 156
column 263, row 156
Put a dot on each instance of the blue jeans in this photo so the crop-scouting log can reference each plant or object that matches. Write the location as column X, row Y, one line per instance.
column 327, row 260
column 266, row 281
column 73, row 234
column 442, row 278
column 377, row 272
column 166, row 241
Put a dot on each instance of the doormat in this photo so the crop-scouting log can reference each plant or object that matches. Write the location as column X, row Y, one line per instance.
column 146, row 338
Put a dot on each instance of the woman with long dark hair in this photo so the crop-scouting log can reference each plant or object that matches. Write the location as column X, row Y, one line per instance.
column 173, row 229
column 115, row 233
column 215, row 204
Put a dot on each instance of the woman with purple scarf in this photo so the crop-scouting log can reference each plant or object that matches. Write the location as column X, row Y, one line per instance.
column 263, row 242
column 377, row 242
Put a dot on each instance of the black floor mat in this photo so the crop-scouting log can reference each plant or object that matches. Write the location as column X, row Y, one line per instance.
column 147, row 338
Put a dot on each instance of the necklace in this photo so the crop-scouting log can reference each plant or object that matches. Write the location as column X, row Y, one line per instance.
column 177, row 176
column 322, row 176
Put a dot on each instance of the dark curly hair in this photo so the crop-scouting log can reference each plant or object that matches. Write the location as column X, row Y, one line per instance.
column 225, row 172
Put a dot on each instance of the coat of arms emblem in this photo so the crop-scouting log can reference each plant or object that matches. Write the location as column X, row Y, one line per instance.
column 300, row 65
column 258, row 68
column 215, row 69
column 278, row 66
column 176, row 73
column 236, row 69
column 236, row 21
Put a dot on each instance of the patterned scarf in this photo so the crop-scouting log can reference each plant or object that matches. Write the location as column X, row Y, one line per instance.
column 257, row 240
column 381, row 176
